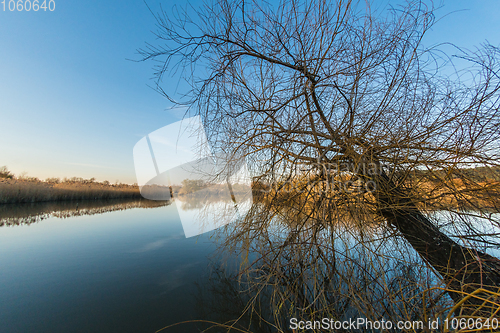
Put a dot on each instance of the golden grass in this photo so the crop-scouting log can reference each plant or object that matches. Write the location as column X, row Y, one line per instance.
column 427, row 195
column 33, row 190
column 457, row 194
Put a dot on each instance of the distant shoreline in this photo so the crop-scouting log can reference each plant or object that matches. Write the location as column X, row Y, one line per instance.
column 13, row 191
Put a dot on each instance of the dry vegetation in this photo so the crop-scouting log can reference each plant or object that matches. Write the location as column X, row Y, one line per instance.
column 30, row 189
column 467, row 189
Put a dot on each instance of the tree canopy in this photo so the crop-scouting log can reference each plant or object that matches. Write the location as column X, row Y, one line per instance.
column 320, row 93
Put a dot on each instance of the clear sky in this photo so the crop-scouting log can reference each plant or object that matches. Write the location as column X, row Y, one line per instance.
column 71, row 104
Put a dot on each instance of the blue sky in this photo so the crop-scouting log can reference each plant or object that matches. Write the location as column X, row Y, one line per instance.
column 71, row 104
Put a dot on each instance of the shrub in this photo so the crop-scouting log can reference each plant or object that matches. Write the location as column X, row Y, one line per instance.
column 5, row 173
column 53, row 180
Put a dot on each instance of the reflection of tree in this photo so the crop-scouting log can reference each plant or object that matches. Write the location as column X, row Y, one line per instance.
column 340, row 272
column 343, row 280
column 303, row 86
column 192, row 201
column 204, row 199
column 220, row 300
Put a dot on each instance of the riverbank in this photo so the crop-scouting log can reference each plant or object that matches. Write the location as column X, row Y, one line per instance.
column 28, row 191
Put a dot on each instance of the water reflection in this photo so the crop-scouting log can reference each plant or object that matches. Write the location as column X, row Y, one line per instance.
column 220, row 299
column 28, row 213
column 271, row 265
column 125, row 271
column 273, row 287
column 308, row 260
column 203, row 211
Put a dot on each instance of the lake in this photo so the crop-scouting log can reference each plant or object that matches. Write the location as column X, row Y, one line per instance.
column 126, row 266
column 128, row 270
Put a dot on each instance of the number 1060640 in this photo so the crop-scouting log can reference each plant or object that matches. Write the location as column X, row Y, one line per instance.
column 28, row 5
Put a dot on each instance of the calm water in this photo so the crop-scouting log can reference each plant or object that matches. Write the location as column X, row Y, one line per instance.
column 110, row 267
column 122, row 271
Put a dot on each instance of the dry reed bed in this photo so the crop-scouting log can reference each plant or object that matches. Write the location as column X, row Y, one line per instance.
column 427, row 195
column 22, row 191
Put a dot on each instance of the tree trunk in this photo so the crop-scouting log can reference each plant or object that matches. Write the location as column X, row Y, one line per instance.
column 462, row 269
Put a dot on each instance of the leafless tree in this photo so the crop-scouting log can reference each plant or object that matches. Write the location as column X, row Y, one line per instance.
column 346, row 116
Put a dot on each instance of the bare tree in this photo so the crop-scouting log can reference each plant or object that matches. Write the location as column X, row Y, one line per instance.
column 348, row 113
